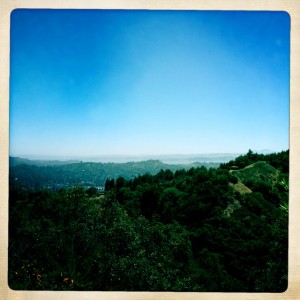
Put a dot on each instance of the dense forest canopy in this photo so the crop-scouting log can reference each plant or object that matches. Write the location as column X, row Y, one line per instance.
column 190, row 229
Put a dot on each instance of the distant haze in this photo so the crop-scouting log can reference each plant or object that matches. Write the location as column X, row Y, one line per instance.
column 168, row 159
column 92, row 83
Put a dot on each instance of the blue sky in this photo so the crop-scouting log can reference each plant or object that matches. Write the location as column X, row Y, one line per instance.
column 111, row 82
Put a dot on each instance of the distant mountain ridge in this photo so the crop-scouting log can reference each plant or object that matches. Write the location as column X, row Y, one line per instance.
column 165, row 158
column 56, row 174
column 15, row 161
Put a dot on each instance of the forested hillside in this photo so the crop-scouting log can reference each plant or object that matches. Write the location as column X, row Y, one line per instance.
column 217, row 229
column 58, row 174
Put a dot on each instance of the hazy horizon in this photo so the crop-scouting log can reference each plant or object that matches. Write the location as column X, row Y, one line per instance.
column 136, row 156
column 165, row 158
column 122, row 82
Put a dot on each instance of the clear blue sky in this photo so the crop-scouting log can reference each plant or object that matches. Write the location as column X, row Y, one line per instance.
column 94, row 82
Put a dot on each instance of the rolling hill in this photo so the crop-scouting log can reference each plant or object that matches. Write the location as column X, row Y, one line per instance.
column 57, row 174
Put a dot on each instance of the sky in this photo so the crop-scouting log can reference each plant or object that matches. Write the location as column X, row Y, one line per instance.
column 124, row 82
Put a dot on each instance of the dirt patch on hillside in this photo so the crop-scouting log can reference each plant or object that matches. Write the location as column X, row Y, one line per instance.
column 98, row 197
column 241, row 188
